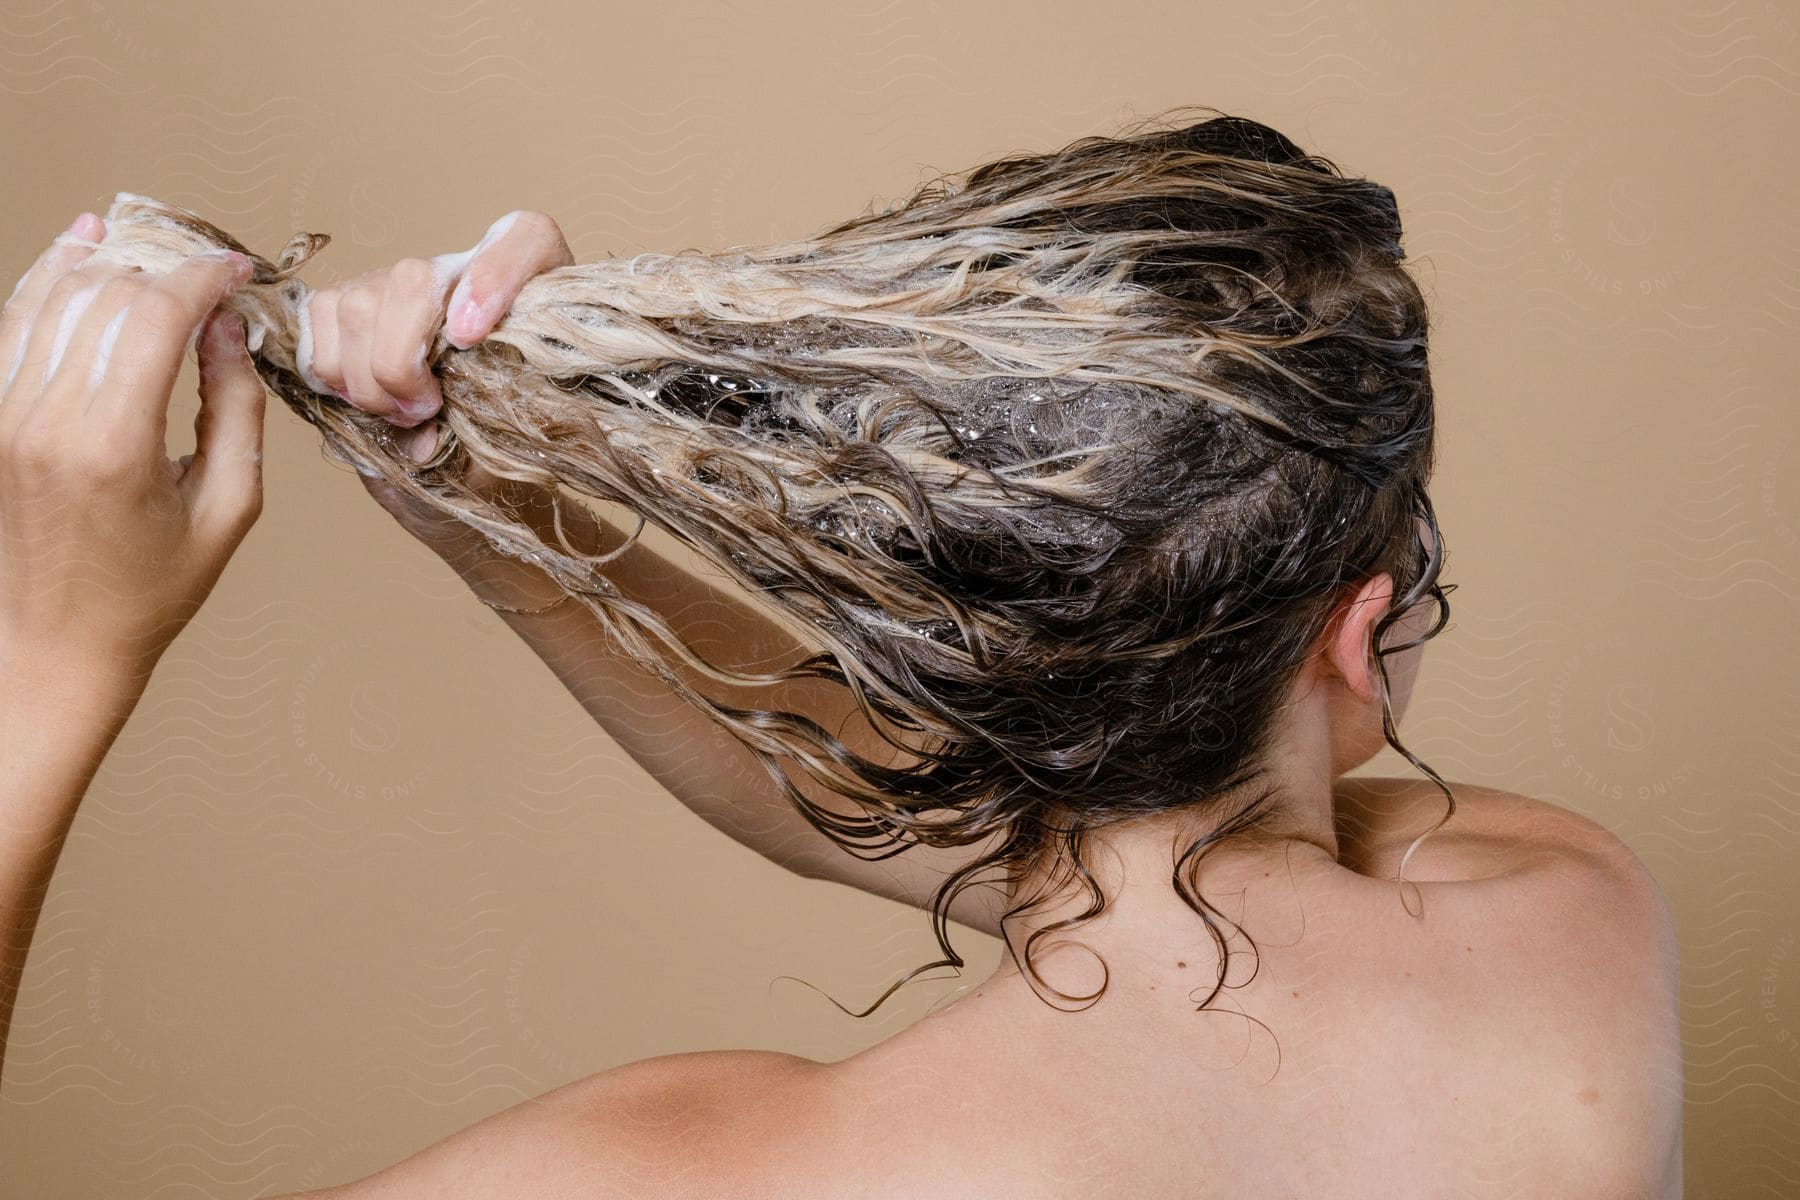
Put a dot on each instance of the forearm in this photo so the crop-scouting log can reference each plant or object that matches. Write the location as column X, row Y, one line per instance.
column 56, row 725
column 701, row 765
column 714, row 619
column 686, row 752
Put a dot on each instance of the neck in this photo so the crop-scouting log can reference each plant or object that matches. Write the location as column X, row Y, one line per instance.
column 1146, row 927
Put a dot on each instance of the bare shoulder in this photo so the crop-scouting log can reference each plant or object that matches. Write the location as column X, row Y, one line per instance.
column 705, row 1123
column 1566, row 941
column 1492, row 832
column 1582, row 888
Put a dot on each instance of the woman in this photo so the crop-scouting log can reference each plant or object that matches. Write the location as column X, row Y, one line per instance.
column 1130, row 684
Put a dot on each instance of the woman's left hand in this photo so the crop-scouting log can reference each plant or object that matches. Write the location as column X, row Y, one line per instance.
column 107, row 547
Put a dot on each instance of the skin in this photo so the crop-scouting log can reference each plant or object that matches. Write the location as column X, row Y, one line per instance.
column 1519, row 1039
column 107, row 547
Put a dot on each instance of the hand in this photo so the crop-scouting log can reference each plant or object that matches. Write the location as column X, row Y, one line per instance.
column 366, row 338
column 368, row 335
column 107, row 547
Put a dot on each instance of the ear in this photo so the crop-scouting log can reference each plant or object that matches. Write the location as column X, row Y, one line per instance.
column 1349, row 648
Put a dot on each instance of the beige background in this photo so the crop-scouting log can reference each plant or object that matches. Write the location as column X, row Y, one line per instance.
column 359, row 872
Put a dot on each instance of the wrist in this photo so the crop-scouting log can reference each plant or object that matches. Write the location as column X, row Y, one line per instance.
column 76, row 682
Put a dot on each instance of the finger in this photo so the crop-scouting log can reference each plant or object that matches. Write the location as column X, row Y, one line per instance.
column 52, row 326
column 74, row 339
column 357, row 310
column 86, row 338
column 66, row 307
column 316, row 349
column 164, row 315
column 412, row 304
column 223, row 481
column 67, row 251
column 516, row 247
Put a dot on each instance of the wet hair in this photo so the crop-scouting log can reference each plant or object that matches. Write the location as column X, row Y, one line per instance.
column 1065, row 462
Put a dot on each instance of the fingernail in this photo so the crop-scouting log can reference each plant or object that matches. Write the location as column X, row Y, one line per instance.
column 459, row 296
column 465, row 322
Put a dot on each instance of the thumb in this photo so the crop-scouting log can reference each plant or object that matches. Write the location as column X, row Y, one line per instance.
column 223, row 482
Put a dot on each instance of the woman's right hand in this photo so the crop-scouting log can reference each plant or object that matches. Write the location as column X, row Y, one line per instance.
column 365, row 338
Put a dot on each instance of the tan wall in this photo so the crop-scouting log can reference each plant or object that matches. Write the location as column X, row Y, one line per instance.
column 359, row 872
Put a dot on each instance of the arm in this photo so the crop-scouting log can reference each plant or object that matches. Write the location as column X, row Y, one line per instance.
column 674, row 1127
column 705, row 768
column 1611, row 1094
column 1648, row 1020
column 366, row 338
column 106, row 547
column 55, row 728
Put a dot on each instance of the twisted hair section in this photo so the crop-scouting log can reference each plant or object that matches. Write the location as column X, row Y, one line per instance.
column 1063, row 463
